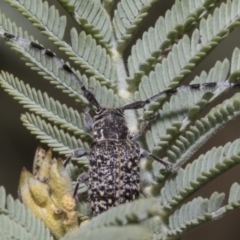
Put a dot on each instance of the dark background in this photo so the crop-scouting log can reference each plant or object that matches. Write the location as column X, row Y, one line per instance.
column 17, row 145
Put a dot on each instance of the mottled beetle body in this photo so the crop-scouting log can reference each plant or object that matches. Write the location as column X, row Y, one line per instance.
column 113, row 176
column 114, row 162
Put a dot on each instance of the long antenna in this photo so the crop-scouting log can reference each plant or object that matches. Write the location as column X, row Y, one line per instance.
column 184, row 88
column 22, row 42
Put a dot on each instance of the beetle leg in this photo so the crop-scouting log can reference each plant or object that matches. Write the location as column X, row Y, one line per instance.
column 88, row 121
column 134, row 135
column 169, row 166
column 79, row 152
column 82, row 178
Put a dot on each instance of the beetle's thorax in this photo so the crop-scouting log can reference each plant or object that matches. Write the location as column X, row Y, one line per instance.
column 109, row 124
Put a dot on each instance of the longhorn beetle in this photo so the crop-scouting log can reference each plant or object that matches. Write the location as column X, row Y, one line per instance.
column 114, row 174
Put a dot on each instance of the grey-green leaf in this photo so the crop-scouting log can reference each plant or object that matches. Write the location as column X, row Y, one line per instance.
column 17, row 222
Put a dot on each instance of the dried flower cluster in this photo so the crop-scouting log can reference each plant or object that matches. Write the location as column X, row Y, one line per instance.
column 47, row 192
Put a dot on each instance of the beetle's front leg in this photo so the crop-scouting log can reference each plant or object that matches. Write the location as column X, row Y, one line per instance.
column 169, row 166
column 88, row 121
column 134, row 135
column 79, row 152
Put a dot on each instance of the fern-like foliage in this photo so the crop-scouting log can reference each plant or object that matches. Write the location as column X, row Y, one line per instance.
column 18, row 222
column 120, row 58
column 41, row 104
column 92, row 17
column 180, row 19
column 127, row 17
column 109, row 222
column 199, row 172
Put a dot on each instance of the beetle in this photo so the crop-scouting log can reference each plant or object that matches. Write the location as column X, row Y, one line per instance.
column 114, row 172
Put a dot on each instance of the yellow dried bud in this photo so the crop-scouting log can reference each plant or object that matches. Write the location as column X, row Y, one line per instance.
column 39, row 191
column 68, row 203
column 59, row 182
column 38, row 159
column 48, row 194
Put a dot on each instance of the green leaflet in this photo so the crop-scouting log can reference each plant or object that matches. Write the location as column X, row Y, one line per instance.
column 46, row 18
column 50, row 71
column 68, row 6
column 16, row 221
column 199, row 210
column 176, row 117
column 41, row 104
column 45, row 21
column 35, row 101
column 207, row 126
column 108, row 233
column 182, row 109
column 93, row 18
column 57, row 139
column 127, row 17
column 199, row 172
column 189, row 51
column 234, row 195
column 194, row 213
column 91, row 57
column 123, row 215
column 185, row 145
column 129, row 213
column 183, row 16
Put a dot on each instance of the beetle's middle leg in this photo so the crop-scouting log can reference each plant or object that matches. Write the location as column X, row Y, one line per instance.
column 79, row 152
column 169, row 166
column 82, row 178
column 88, row 121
